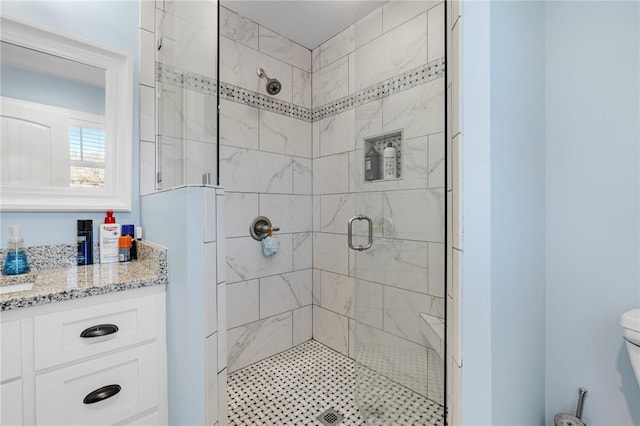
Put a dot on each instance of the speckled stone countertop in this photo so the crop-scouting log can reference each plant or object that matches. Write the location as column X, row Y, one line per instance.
column 55, row 276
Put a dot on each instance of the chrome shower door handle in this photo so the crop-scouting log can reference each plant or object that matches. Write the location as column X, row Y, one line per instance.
column 350, row 233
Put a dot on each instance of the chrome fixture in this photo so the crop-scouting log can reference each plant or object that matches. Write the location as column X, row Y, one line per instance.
column 350, row 233
column 273, row 85
column 261, row 228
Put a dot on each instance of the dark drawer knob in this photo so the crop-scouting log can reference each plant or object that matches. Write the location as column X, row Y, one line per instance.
column 99, row 330
column 101, row 394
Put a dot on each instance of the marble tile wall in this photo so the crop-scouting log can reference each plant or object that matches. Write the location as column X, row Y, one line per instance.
column 454, row 214
column 367, row 304
column 265, row 166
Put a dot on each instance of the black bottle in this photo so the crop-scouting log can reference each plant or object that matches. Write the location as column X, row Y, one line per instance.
column 85, row 242
column 372, row 164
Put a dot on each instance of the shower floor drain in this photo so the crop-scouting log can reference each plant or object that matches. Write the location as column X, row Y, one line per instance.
column 330, row 417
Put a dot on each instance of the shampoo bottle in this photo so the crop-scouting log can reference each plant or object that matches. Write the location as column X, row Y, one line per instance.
column 389, row 162
column 372, row 164
column 109, row 237
column 16, row 262
column 85, row 242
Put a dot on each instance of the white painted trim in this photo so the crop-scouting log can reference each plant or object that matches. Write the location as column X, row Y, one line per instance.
column 118, row 66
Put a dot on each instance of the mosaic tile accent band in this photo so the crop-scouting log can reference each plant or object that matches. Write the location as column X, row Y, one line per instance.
column 176, row 77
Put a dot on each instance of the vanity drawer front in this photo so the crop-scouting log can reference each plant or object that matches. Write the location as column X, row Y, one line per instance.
column 62, row 396
column 58, row 335
column 10, row 350
column 11, row 403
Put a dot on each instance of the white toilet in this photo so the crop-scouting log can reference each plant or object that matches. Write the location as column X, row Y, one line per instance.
column 630, row 321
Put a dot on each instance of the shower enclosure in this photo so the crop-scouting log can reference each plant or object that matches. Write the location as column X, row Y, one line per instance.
column 347, row 157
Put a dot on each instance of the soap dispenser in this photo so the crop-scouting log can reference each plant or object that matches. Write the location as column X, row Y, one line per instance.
column 16, row 262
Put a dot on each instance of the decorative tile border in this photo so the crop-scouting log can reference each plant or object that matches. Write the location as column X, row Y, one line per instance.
column 176, row 77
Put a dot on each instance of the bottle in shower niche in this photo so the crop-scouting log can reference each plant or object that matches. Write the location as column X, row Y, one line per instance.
column 372, row 164
column 85, row 242
column 16, row 261
column 390, row 163
column 109, row 239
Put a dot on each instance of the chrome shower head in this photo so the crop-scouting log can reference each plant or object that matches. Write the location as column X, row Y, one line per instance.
column 273, row 85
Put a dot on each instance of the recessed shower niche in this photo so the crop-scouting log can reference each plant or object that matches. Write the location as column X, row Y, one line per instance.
column 383, row 157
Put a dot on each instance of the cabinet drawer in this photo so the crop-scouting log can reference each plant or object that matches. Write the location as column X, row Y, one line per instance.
column 58, row 335
column 10, row 351
column 61, row 395
column 11, row 403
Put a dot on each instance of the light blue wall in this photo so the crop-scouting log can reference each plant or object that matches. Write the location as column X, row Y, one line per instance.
column 517, row 212
column 593, row 187
column 182, row 236
column 476, row 383
column 110, row 23
column 45, row 89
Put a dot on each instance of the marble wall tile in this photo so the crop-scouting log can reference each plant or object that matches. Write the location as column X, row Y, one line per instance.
column 399, row 11
column 368, row 303
column 317, row 289
column 302, row 176
column 337, row 46
column 202, row 13
column 397, row 263
column 147, row 167
column 147, row 58
column 171, row 111
column 254, row 171
column 197, row 120
column 418, row 111
column 284, row 135
column 302, row 250
column 200, row 158
column 371, row 204
column 221, row 249
column 382, row 58
column 436, row 160
column 331, row 329
column 435, row 377
column 435, row 32
column 211, row 375
column 285, row 292
column 238, row 125
column 222, row 396
column 335, row 212
column 282, row 48
column 171, row 162
column 258, row 340
column 301, row 94
column 210, row 290
column 415, row 215
column 331, row 174
column 402, row 310
column 302, row 325
column 243, row 303
column 315, row 136
column 147, row 14
column 147, row 114
column 352, row 74
column 195, row 47
column 238, row 65
column 222, row 325
column 240, row 209
column 315, row 59
column 337, row 293
column 331, row 82
column 368, row 122
column 436, row 269
column 238, row 28
column 245, row 260
column 316, row 212
column 292, row 213
column 330, row 253
column 368, row 28
column 337, row 133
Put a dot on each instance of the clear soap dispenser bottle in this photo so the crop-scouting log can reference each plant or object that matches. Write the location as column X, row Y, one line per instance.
column 16, row 262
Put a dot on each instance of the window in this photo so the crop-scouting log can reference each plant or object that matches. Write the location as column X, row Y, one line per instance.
column 86, row 149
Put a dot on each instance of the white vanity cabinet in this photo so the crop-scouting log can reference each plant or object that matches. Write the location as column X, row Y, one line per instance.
column 98, row 360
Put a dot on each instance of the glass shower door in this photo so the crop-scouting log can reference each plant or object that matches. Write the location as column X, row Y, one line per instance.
column 398, row 183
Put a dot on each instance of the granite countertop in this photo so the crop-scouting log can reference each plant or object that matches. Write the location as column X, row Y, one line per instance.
column 55, row 277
